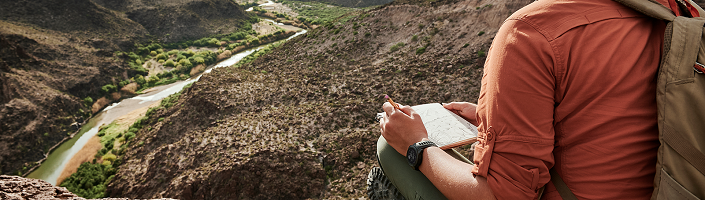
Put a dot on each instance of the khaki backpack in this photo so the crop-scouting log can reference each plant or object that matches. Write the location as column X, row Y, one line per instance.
column 680, row 169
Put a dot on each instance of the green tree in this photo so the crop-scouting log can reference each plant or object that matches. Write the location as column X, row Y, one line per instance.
column 169, row 63
column 214, row 42
column 139, row 79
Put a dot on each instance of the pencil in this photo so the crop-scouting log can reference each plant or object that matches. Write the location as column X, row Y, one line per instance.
column 392, row 102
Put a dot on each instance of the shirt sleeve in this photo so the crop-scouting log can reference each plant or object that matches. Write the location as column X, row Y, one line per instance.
column 515, row 113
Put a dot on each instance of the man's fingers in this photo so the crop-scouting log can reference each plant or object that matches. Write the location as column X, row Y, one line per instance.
column 454, row 105
column 388, row 108
column 407, row 110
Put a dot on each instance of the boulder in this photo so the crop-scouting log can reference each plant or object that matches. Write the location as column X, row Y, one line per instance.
column 99, row 104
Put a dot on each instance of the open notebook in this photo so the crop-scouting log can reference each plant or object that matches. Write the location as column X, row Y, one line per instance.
column 445, row 128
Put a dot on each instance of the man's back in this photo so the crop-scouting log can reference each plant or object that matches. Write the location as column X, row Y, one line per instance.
column 574, row 80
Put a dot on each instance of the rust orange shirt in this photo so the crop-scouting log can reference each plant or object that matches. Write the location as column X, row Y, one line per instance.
column 571, row 85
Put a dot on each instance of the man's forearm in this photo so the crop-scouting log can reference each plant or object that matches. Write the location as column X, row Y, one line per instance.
column 453, row 177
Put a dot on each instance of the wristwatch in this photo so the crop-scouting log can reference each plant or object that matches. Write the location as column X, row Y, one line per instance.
column 415, row 153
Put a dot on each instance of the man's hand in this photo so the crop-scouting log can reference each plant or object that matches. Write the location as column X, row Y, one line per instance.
column 402, row 128
column 463, row 109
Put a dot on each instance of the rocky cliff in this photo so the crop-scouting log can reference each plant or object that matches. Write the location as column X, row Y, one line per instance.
column 298, row 122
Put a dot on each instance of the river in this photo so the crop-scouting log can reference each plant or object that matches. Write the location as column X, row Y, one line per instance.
column 51, row 168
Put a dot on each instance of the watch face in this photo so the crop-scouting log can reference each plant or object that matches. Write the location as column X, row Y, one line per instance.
column 411, row 155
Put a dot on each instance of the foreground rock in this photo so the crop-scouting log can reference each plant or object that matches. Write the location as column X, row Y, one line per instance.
column 18, row 188
column 15, row 187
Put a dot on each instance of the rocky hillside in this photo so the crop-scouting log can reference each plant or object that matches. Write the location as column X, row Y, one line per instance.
column 353, row 3
column 53, row 54
column 178, row 20
column 299, row 121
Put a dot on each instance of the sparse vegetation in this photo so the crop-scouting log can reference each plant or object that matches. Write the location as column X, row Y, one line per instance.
column 396, row 46
column 420, row 50
column 317, row 13
column 481, row 53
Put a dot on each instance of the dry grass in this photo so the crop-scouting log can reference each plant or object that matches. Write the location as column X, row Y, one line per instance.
column 86, row 154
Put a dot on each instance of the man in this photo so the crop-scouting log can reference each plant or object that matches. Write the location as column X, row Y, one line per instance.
column 568, row 85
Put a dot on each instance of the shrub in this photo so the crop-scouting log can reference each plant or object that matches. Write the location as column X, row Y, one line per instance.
column 421, row 26
column 180, row 57
column 139, row 79
column 153, row 53
column 214, row 42
column 142, row 50
column 109, row 88
column 172, row 52
column 367, row 34
column 396, row 47
column 186, row 63
column 420, row 50
column 123, row 83
column 129, row 135
column 162, row 56
column 169, row 63
column 481, row 53
column 107, row 163
column 154, row 46
column 152, row 80
column 133, row 56
column 415, row 38
column 199, row 60
column 138, row 61
column 89, row 100
column 109, row 157
column 189, row 53
column 480, row 33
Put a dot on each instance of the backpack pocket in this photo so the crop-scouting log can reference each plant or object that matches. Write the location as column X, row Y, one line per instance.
column 671, row 189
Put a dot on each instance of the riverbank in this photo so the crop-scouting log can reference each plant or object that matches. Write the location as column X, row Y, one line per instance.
column 88, row 152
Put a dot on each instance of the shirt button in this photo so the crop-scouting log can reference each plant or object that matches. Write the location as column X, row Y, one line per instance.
column 489, row 136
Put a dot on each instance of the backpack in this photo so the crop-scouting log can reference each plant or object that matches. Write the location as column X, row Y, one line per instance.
column 680, row 97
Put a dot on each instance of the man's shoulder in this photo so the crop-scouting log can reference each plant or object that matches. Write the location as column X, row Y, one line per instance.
column 552, row 18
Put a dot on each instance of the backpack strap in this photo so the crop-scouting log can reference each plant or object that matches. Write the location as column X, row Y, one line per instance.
column 562, row 188
column 684, row 148
column 650, row 8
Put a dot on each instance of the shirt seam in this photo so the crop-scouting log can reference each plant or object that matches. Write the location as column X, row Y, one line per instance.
column 558, row 68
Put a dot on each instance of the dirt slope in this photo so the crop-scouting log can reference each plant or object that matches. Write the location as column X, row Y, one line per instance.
column 299, row 121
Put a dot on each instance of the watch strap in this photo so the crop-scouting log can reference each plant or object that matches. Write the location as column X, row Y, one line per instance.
column 420, row 147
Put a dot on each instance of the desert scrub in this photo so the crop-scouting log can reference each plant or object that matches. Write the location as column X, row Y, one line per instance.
column 420, row 50
column 109, row 88
column 88, row 101
column 396, row 46
column 317, row 13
